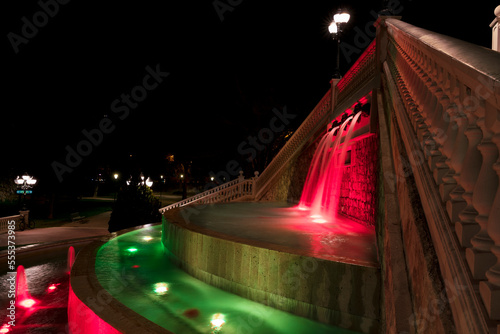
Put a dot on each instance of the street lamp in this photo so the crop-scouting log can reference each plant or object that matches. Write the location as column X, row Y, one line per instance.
column 25, row 183
column 143, row 181
column 340, row 20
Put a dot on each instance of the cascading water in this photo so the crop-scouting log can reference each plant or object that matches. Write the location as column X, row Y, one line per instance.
column 322, row 186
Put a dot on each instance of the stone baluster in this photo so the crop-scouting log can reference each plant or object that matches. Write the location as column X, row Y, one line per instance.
column 442, row 125
column 430, row 116
column 479, row 257
column 456, row 203
column 466, row 228
column 490, row 290
column 456, row 141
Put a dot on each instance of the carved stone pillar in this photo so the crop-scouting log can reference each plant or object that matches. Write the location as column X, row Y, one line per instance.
column 466, row 228
column 456, row 203
column 480, row 257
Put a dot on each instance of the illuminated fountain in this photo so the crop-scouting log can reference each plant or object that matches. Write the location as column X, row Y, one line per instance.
column 322, row 186
column 23, row 296
column 71, row 258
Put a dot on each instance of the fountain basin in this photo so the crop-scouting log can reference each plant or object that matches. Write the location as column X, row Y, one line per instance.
column 126, row 284
column 274, row 254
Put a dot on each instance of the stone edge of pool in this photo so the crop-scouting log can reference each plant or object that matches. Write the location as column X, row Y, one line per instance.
column 91, row 308
column 337, row 293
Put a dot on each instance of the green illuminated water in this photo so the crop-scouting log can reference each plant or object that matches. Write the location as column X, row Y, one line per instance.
column 131, row 265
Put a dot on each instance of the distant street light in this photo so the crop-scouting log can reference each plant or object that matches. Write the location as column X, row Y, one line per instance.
column 336, row 28
column 115, row 176
column 147, row 182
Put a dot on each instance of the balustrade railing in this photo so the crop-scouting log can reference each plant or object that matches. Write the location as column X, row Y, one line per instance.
column 451, row 89
column 360, row 73
column 237, row 189
column 4, row 223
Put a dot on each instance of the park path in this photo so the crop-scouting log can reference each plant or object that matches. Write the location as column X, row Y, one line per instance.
column 91, row 227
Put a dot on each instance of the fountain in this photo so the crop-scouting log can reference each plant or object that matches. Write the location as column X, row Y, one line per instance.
column 267, row 267
column 23, row 297
column 322, row 186
column 71, row 258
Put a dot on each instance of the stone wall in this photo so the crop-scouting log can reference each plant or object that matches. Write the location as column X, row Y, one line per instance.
column 359, row 182
column 430, row 294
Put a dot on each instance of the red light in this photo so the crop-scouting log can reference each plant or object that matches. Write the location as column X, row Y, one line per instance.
column 27, row 303
column 5, row 329
column 135, row 266
column 52, row 287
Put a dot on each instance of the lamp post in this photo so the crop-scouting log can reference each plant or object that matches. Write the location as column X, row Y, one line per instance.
column 25, row 183
column 336, row 28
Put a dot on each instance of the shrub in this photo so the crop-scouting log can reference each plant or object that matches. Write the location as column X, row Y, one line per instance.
column 135, row 205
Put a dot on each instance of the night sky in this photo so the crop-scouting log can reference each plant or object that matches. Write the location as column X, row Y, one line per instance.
column 222, row 73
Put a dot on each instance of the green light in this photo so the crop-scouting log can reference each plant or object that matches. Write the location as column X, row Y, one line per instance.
column 217, row 321
column 132, row 249
column 161, row 288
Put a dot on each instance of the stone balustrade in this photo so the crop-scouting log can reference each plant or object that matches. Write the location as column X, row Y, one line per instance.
column 451, row 89
column 237, row 189
column 4, row 223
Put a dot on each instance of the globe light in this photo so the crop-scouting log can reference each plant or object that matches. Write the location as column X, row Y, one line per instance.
column 341, row 17
column 332, row 28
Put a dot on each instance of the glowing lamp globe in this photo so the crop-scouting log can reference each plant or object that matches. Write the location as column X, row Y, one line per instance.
column 341, row 17
column 332, row 28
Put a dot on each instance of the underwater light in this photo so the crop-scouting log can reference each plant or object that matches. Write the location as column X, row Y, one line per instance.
column 147, row 238
column 52, row 287
column 161, row 288
column 27, row 303
column 5, row 329
column 132, row 249
column 217, row 321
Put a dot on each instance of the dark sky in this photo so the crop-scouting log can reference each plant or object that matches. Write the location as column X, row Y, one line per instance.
column 225, row 75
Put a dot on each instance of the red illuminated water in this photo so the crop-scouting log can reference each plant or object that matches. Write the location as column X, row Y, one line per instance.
column 71, row 258
column 321, row 189
column 23, row 297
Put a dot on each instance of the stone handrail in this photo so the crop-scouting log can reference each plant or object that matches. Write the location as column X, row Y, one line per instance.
column 363, row 69
column 237, row 189
column 451, row 92
column 294, row 144
column 4, row 222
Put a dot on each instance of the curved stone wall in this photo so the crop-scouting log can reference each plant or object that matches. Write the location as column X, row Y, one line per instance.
column 341, row 294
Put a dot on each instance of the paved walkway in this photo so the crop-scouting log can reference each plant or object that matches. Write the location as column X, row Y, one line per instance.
column 92, row 227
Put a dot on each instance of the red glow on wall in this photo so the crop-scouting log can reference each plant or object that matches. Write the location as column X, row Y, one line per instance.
column 81, row 319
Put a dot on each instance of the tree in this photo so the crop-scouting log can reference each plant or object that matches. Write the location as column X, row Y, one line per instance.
column 135, row 205
column 7, row 187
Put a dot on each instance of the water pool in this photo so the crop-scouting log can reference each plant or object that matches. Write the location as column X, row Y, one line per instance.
column 135, row 271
